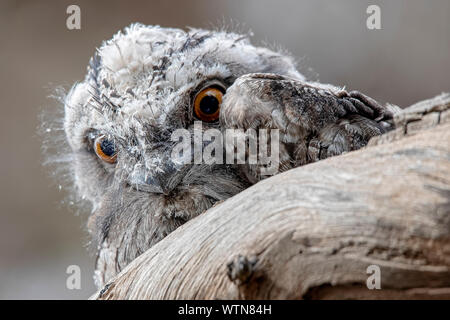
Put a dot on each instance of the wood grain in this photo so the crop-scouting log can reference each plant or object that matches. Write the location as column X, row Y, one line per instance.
column 312, row 232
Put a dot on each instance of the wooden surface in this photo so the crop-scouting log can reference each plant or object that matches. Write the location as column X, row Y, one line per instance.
column 312, row 232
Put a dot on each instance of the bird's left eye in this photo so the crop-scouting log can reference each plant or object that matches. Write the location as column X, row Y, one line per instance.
column 207, row 104
column 105, row 149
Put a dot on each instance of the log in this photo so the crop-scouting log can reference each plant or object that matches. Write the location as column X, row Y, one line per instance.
column 313, row 231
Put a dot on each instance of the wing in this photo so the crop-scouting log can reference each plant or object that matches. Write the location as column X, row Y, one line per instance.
column 315, row 121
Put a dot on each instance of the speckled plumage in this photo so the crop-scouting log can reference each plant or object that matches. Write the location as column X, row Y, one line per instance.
column 139, row 89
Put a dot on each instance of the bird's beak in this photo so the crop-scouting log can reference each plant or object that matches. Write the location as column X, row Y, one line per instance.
column 162, row 179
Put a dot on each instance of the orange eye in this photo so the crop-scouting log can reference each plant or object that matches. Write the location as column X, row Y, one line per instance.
column 105, row 149
column 207, row 104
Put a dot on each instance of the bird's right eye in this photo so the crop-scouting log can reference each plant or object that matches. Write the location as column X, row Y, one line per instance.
column 105, row 149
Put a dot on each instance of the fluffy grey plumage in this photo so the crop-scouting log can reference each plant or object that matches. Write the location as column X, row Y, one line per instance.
column 140, row 87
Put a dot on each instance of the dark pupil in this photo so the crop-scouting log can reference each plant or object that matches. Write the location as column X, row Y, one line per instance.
column 108, row 148
column 209, row 105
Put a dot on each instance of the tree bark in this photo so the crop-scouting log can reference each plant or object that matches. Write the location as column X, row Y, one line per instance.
column 312, row 232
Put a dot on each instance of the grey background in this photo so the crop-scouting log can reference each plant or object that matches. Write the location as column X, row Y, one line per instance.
column 408, row 60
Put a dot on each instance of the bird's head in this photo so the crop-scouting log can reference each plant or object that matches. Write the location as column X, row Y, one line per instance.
column 141, row 86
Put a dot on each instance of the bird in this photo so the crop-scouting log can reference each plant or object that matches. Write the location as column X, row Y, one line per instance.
column 148, row 81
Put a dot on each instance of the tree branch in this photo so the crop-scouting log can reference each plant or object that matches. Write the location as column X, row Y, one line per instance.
column 312, row 232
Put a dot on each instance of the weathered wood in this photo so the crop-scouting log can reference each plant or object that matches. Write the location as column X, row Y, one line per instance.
column 312, row 232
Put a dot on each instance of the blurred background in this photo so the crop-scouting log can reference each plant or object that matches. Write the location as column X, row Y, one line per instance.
column 406, row 61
